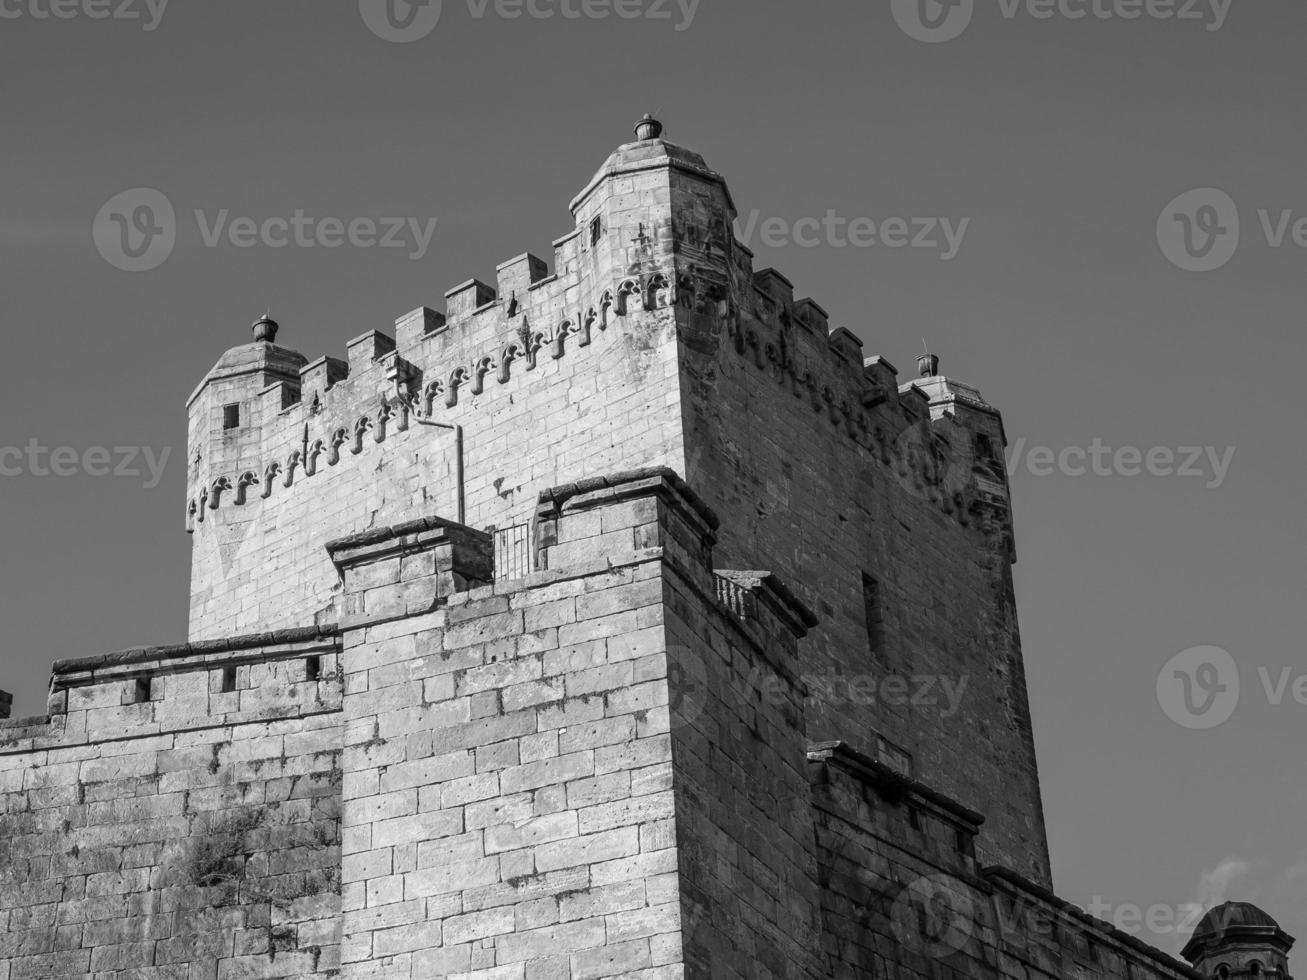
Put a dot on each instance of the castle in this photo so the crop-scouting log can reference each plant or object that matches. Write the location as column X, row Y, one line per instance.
column 623, row 620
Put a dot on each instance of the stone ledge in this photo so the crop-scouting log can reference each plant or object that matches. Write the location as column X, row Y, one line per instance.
column 891, row 784
column 411, row 537
column 636, row 482
column 137, row 655
column 1009, row 880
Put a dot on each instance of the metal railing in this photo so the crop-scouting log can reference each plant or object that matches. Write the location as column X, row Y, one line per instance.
column 514, row 552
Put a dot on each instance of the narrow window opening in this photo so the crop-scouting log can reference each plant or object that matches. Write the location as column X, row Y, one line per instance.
column 231, row 416
column 596, row 231
column 914, row 818
column 871, row 600
column 313, row 668
column 228, row 680
column 142, row 690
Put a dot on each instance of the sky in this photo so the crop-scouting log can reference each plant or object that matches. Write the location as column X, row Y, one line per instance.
column 1049, row 246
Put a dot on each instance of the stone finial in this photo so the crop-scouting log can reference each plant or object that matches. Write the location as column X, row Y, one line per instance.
column 265, row 329
column 928, row 365
column 648, row 128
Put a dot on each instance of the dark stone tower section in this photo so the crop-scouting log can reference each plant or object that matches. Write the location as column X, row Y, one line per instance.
column 886, row 506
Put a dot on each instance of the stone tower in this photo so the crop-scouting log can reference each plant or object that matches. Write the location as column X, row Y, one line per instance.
column 1237, row 940
column 619, row 621
column 654, row 342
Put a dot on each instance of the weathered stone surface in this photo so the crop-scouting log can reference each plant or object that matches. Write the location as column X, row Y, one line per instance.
column 541, row 727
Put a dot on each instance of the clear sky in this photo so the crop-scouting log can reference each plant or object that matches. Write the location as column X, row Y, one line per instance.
column 1061, row 141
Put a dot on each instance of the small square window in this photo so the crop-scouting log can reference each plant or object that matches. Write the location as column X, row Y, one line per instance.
column 142, row 691
column 231, row 416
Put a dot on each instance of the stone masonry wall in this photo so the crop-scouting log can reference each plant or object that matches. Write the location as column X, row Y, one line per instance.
column 904, row 896
column 597, row 770
column 508, row 803
column 825, row 473
column 193, row 835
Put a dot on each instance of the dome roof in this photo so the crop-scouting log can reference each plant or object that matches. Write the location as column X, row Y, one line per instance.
column 261, row 358
column 1236, row 922
column 647, row 154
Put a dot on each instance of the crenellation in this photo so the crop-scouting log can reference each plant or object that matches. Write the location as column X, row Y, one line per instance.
column 518, row 276
column 775, row 287
column 810, row 315
column 848, row 346
column 413, row 328
column 368, row 348
column 468, row 299
column 320, row 376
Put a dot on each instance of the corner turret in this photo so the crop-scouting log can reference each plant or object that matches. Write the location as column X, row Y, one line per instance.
column 1238, row 940
column 249, row 384
column 976, row 446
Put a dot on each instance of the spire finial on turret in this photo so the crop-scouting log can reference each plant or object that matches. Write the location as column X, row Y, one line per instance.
column 648, row 128
column 928, row 363
column 265, row 328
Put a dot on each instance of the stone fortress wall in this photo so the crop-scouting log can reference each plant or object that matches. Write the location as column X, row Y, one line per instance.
column 480, row 687
column 654, row 343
